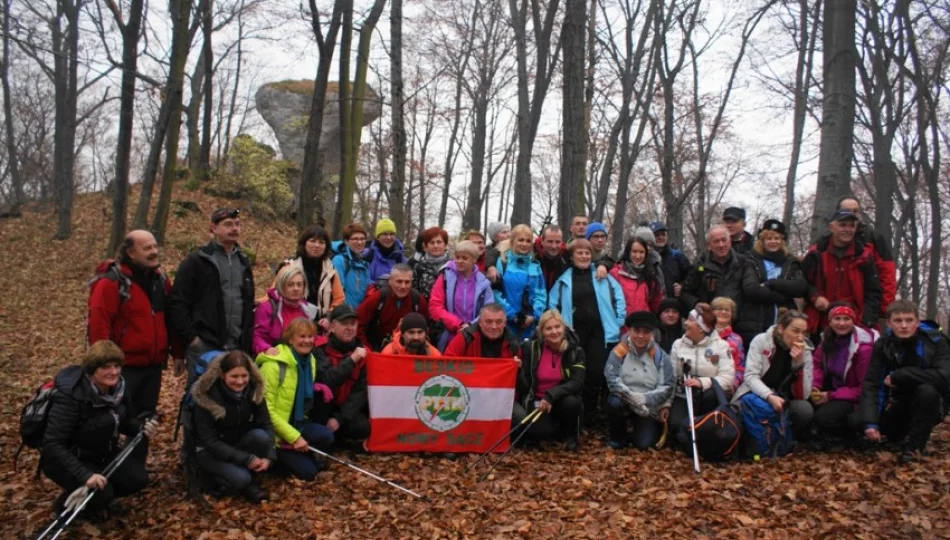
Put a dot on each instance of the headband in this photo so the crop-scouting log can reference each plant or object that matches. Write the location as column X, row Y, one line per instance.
column 845, row 311
column 698, row 317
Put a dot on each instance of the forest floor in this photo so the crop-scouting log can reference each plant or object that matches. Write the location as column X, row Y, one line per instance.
column 597, row 493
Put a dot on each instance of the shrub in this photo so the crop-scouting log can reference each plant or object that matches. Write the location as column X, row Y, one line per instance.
column 256, row 177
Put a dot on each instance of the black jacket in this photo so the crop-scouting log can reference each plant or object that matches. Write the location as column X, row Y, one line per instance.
column 573, row 372
column 82, row 427
column 196, row 306
column 708, row 279
column 221, row 420
column 929, row 365
column 744, row 243
column 675, row 265
column 761, row 295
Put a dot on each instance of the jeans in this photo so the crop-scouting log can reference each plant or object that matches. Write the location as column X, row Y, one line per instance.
column 234, row 476
column 646, row 429
column 305, row 465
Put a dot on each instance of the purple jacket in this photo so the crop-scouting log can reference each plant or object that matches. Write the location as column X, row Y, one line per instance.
column 859, row 358
column 269, row 326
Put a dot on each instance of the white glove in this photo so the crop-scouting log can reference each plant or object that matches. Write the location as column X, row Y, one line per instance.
column 638, row 402
column 150, row 428
column 76, row 498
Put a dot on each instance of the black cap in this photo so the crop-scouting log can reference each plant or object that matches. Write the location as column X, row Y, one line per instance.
column 221, row 214
column 657, row 226
column 774, row 225
column 842, row 215
column 413, row 321
column 342, row 312
column 733, row 212
column 642, row 319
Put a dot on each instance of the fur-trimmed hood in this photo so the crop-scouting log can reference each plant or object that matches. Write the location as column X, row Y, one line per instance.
column 201, row 391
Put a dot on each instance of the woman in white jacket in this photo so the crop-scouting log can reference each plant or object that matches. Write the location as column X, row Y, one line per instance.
column 708, row 356
column 778, row 370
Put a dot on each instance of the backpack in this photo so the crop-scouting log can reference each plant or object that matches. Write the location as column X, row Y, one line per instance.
column 113, row 273
column 33, row 419
column 769, row 432
column 717, row 432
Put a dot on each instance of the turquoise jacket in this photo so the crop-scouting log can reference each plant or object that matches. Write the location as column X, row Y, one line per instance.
column 353, row 272
column 521, row 291
column 610, row 302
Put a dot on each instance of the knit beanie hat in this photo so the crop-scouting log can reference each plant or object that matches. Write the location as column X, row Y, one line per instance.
column 496, row 227
column 384, row 226
column 594, row 227
column 646, row 234
column 100, row 354
column 413, row 321
column 671, row 303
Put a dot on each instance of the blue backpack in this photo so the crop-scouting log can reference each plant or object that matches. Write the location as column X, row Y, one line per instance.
column 769, row 433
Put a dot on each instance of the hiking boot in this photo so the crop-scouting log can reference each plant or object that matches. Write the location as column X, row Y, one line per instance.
column 254, row 494
column 451, row 456
column 572, row 445
column 616, row 445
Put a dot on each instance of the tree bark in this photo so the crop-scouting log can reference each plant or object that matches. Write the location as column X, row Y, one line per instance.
column 131, row 31
column 397, row 187
column 12, row 157
column 66, row 48
column 838, row 108
column 574, row 145
column 204, row 153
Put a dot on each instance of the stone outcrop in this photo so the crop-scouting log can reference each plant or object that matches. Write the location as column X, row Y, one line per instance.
column 285, row 106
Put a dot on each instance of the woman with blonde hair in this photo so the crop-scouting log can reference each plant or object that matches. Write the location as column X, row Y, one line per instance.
column 552, row 379
column 285, row 302
column 724, row 309
column 520, row 287
column 771, row 280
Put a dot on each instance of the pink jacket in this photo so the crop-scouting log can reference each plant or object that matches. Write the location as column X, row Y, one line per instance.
column 738, row 352
column 269, row 326
column 638, row 294
column 859, row 358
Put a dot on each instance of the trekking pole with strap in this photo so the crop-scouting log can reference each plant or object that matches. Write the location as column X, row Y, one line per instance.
column 66, row 517
column 692, row 420
column 367, row 473
column 483, row 455
column 512, row 445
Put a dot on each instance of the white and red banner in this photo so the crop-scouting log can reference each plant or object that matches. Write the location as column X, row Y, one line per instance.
column 426, row 404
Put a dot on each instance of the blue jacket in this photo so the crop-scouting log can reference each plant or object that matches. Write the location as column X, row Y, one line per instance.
column 379, row 264
column 522, row 290
column 610, row 302
column 353, row 272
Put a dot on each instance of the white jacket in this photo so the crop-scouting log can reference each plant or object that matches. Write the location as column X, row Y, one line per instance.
column 758, row 360
column 709, row 359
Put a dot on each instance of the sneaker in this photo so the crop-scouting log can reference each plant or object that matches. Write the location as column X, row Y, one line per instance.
column 616, row 445
column 254, row 494
column 572, row 445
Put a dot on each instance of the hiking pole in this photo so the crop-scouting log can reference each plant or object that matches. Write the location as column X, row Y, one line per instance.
column 367, row 473
column 692, row 420
column 525, row 420
column 512, row 445
column 66, row 517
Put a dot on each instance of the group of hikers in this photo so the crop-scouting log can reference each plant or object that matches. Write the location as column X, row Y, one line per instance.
column 635, row 344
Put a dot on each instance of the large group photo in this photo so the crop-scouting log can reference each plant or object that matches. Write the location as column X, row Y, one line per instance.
column 474, row 269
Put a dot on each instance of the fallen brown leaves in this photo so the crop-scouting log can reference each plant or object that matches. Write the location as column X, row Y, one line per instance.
column 594, row 494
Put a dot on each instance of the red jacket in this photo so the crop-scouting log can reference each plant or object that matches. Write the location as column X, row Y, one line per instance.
column 468, row 343
column 135, row 323
column 378, row 322
column 852, row 278
column 883, row 260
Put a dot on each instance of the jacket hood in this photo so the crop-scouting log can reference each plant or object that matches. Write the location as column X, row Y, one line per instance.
column 273, row 294
column 395, row 255
column 204, row 384
column 284, row 356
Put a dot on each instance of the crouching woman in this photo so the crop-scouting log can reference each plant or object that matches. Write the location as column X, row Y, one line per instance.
column 89, row 410
column 233, row 431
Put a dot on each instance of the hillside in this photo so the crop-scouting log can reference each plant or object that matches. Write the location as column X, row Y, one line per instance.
column 595, row 494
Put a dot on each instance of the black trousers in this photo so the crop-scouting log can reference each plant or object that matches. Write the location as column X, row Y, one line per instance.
column 595, row 358
column 837, row 418
column 912, row 415
column 128, row 478
column 562, row 422
column 143, row 385
column 356, row 429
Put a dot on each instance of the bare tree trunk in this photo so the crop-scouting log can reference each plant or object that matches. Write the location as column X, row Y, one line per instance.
column 204, row 153
column 808, row 29
column 312, row 181
column 574, row 144
column 838, row 108
column 398, row 185
column 131, row 31
column 180, row 11
column 12, row 158
column 346, row 112
column 223, row 153
column 66, row 47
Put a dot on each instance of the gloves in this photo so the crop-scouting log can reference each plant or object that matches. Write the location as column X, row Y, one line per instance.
column 638, row 402
column 150, row 428
column 75, row 499
column 324, row 390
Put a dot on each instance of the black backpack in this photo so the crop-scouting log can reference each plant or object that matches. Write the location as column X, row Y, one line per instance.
column 717, row 433
column 33, row 419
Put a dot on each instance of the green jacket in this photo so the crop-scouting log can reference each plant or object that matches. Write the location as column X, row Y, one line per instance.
column 278, row 395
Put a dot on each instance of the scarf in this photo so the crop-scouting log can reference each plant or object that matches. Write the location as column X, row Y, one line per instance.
column 633, row 270
column 313, row 271
column 113, row 397
column 303, row 397
column 236, row 396
column 426, row 258
column 776, row 257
